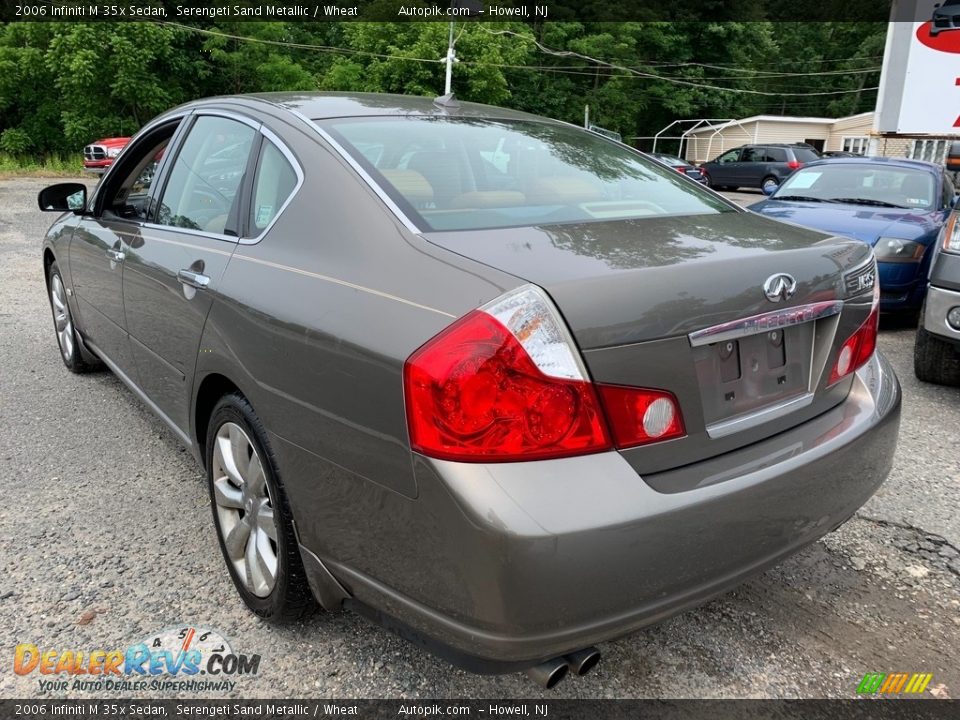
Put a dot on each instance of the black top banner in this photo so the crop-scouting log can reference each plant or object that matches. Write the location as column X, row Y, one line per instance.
column 205, row 11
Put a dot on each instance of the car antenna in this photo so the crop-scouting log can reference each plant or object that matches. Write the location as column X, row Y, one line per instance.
column 446, row 102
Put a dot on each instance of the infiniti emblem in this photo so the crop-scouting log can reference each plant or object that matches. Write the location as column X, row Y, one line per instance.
column 779, row 287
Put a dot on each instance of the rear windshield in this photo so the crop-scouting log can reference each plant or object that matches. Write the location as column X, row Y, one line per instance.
column 806, row 155
column 470, row 174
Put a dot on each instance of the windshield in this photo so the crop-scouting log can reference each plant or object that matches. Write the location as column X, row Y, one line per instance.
column 468, row 174
column 866, row 183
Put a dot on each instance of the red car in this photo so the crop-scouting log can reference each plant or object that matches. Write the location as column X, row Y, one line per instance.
column 99, row 155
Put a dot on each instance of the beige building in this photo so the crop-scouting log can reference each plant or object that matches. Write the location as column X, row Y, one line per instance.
column 853, row 134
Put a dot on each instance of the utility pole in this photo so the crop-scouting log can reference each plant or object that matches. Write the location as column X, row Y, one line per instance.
column 451, row 59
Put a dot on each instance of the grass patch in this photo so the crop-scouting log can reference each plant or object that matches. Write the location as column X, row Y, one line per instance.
column 50, row 166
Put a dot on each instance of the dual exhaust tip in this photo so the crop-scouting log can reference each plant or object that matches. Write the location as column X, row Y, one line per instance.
column 548, row 674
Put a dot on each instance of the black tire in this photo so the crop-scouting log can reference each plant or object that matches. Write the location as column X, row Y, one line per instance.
column 73, row 354
column 713, row 186
column 935, row 360
column 290, row 597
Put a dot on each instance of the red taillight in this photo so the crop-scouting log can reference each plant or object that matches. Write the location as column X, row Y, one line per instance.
column 794, row 164
column 638, row 416
column 682, row 170
column 858, row 348
column 506, row 383
column 474, row 394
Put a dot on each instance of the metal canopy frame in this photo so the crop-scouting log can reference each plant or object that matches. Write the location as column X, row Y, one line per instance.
column 692, row 126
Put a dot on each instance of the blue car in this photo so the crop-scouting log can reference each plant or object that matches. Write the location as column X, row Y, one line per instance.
column 898, row 206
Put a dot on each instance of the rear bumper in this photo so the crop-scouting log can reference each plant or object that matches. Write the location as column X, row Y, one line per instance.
column 521, row 562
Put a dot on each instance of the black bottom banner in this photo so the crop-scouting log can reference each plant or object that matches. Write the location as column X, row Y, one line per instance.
column 865, row 709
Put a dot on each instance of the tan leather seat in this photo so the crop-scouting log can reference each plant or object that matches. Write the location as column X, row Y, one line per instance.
column 562, row 190
column 412, row 185
column 479, row 199
column 443, row 171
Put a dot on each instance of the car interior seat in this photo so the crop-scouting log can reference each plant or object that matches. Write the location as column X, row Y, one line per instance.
column 412, row 185
column 563, row 190
column 442, row 170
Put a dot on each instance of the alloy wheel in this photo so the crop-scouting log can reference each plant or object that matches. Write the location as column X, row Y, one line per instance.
column 62, row 317
column 245, row 509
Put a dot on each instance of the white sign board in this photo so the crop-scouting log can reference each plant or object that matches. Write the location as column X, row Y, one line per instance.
column 920, row 80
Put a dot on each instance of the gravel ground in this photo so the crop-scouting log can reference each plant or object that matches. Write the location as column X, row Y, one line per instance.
column 106, row 536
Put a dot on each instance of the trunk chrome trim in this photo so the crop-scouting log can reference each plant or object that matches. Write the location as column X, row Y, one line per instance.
column 745, row 422
column 765, row 322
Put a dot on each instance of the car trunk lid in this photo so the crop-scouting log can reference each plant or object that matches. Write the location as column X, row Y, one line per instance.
column 678, row 303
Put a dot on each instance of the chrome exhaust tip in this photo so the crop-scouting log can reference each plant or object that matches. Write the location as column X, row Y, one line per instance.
column 583, row 661
column 548, row 674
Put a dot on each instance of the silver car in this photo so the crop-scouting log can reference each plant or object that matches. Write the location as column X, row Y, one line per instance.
column 504, row 386
column 936, row 356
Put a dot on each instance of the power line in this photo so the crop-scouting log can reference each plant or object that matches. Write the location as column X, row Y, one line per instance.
column 302, row 46
column 653, row 76
column 559, row 53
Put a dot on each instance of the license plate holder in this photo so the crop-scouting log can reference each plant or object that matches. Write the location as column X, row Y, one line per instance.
column 753, row 372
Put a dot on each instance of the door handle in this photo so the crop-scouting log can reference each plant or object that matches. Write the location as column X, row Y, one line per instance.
column 115, row 255
column 193, row 278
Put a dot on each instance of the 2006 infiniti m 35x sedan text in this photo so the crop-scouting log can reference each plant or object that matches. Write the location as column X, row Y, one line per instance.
column 499, row 383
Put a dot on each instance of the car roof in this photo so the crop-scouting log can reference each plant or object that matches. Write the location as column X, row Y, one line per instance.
column 894, row 162
column 784, row 145
column 326, row 105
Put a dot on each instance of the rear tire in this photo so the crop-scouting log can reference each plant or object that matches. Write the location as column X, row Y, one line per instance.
column 769, row 182
column 708, row 180
column 65, row 328
column 252, row 515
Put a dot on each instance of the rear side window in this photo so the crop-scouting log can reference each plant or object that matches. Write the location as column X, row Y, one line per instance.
column 274, row 183
column 776, row 155
column 473, row 173
column 203, row 190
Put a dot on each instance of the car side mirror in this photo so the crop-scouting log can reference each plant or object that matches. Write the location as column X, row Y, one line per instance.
column 769, row 189
column 63, row 197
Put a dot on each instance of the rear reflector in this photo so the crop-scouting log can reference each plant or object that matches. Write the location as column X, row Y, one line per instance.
column 639, row 416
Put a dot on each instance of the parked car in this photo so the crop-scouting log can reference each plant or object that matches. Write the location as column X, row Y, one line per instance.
column 508, row 415
column 757, row 166
column 99, row 155
column 897, row 206
column 680, row 165
column 946, row 16
column 936, row 356
column 839, row 154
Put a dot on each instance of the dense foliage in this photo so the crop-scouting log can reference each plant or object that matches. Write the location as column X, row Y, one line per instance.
column 63, row 85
